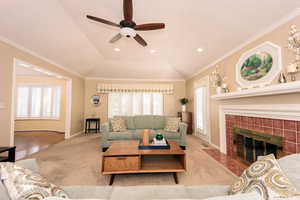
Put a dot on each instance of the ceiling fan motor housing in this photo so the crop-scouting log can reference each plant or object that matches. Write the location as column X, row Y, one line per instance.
column 128, row 32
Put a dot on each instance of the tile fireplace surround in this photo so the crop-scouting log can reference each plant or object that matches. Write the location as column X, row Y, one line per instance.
column 288, row 129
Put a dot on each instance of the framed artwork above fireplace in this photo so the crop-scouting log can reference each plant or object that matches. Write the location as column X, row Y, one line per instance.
column 259, row 66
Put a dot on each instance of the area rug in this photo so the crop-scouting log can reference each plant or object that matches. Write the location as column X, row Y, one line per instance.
column 77, row 161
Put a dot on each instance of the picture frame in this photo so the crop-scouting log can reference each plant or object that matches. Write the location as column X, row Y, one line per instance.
column 259, row 66
column 96, row 100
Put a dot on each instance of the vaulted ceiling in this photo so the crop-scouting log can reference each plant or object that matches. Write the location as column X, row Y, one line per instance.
column 59, row 31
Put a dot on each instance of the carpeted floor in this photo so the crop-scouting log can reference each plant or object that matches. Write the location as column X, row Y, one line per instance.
column 77, row 162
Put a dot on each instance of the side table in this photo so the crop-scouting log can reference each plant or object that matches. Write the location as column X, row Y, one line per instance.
column 88, row 123
column 11, row 154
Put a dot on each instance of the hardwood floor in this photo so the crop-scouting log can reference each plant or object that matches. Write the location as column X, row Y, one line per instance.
column 28, row 143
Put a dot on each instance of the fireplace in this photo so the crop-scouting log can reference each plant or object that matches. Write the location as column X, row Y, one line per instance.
column 249, row 144
column 249, row 137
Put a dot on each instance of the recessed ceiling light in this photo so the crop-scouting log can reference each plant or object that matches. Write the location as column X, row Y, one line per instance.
column 117, row 49
column 152, row 51
column 199, row 50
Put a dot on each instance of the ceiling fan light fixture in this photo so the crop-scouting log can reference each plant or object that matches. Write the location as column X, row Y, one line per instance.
column 128, row 32
column 153, row 51
column 117, row 49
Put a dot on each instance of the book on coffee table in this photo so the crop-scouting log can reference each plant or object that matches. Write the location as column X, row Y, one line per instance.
column 155, row 144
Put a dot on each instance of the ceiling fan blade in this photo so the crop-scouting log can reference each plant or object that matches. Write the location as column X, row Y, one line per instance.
column 149, row 27
column 102, row 21
column 116, row 38
column 140, row 40
column 128, row 9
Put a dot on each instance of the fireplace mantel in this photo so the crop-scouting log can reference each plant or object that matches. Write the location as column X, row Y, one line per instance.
column 271, row 111
column 284, row 88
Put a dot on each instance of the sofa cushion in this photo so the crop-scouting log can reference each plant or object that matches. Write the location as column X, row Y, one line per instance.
column 246, row 196
column 291, row 167
column 3, row 192
column 143, row 121
column 23, row 183
column 89, row 192
column 149, row 192
column 129, row 121
column 159, row 122
column 265, row 177
column 118, row 124
column 171, row 135
column 172, row 124
column 125, row 135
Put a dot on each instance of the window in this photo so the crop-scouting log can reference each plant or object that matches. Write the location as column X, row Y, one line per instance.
column 38, row 102
column 200, row 109
column 127, row 104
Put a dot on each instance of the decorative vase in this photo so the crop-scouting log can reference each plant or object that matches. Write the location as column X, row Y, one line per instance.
column 282, row 78
column 146, row 137
column 183, row 107
column 159, row 136
column 219, row 90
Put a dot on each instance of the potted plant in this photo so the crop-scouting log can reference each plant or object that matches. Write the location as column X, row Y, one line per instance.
column 183, row 102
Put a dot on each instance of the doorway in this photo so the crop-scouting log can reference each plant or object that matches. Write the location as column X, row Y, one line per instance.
column 41, row 108
column 201, row 109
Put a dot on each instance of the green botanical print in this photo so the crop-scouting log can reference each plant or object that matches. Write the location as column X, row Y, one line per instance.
column 257, row 66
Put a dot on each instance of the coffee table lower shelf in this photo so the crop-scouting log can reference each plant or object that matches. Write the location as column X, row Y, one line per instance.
column 138, row 164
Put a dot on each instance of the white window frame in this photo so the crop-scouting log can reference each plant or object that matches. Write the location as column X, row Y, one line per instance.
column 110, row 115
column 206, row 134
column 41, row 117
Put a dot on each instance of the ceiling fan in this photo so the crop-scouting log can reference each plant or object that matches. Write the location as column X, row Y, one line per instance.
column 128, row 26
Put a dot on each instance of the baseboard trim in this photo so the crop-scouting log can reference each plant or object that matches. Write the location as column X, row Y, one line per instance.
column 76, row 134
column 22, row 131
column 214, row 146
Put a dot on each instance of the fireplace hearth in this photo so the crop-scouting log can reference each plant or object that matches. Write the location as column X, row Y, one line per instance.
column 249, row 144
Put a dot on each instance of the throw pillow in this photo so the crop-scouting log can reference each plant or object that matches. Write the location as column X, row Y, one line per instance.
column 24, row 184
column 118, row 124
column 172, row 124
column 265, row 177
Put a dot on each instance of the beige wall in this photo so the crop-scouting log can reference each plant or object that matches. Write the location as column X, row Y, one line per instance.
column 7, row 55
column 171, row 102
column 227, row 67
column 51, row 125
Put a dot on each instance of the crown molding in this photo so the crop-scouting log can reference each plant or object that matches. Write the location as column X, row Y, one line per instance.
column 138, row 80
column 22, row 48
column 269, row 29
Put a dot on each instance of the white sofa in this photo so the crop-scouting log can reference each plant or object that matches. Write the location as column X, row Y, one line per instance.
column 289, row 164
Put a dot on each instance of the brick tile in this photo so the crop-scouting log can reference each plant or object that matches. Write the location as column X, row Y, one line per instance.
column 298, row 126
column 268, row 122
column 290, row 135
column 244, row 119
column 251, row 127
column 245, row 125
column 278, row 123
column 258, row 121
column 251, row 120
column 290, row 147
column 278, row 132
column 298, row 148
column 237, row 118
column 290, row 125
column 268, row 130
column 298, row 137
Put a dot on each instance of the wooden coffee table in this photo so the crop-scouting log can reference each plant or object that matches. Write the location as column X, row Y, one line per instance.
column 124, row 157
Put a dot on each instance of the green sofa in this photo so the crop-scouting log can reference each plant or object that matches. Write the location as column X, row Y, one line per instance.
column 135, row 127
